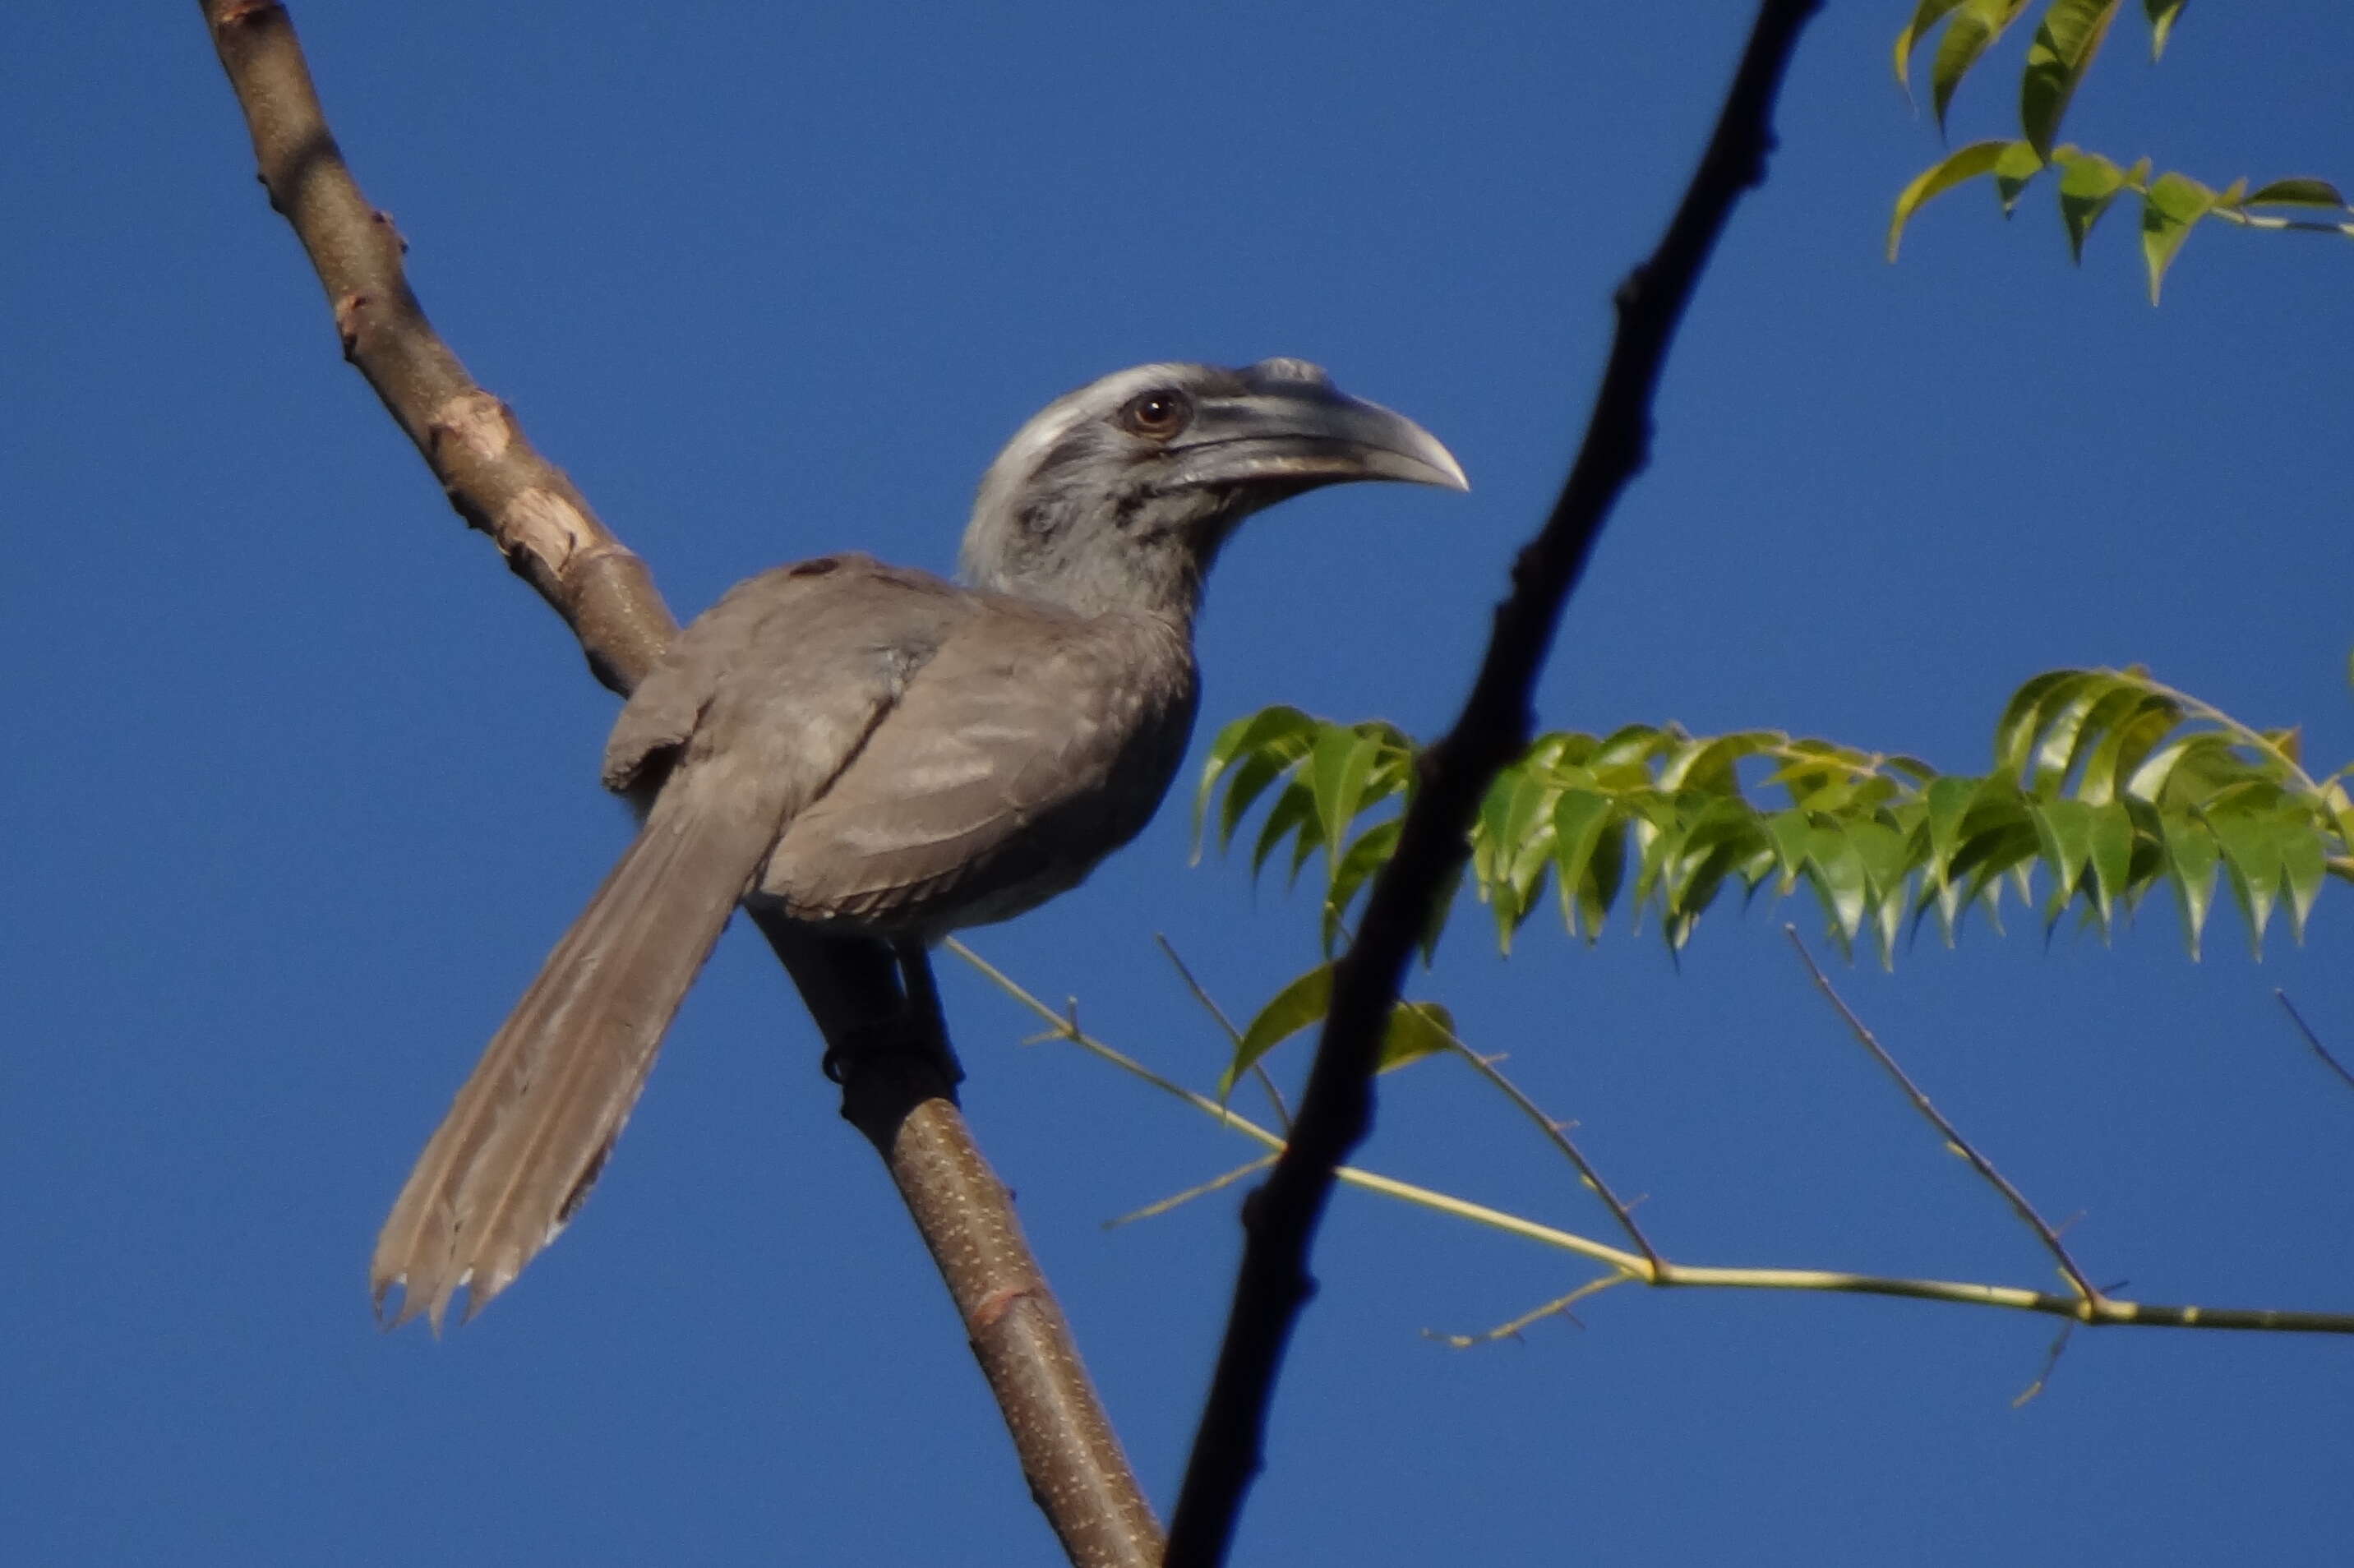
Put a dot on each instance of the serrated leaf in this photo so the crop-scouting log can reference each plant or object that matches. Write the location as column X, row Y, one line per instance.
column 2088, row 185
column 2171, row 205
column 2192, row 856
column 1838, row 878
column 2024, row 716
column 1253, row 735
column 2113, row 849
column 1248, row 780
column 1337, row 771
column 1303, row 1001
column 2065, row 44
column 2117, row 757
column 1926, row 15
column 2065, row 713
column 1416, row 1029
column 2162, row 13
column 2295, row 192
column 1371, row 851
column 1579, row 818
column 2018, row 166
column 2108, row 726
column 2252, row 865
column 1948, row 801
column 1953, row 169
column 1294, row 811
column 1975, row 25
column 2304, row 864
column 1887, row 863
column 2065, row 831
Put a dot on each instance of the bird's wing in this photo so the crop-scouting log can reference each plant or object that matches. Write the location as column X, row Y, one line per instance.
column 1030, row 744
column 755, row 709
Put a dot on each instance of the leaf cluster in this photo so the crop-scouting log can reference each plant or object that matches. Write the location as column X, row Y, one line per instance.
column 2106, row 786
column 2067, row 42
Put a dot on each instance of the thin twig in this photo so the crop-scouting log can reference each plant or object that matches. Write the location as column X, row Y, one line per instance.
column 2111, row 1312
column 1559, row 1306
column 1336, row 1112
column 1234, row 1035
column 1179, row 1200
column 1952, row 1135
column 2313, row 1039
column 499, row 483
column 1555, row 1133
column 2051, row 1365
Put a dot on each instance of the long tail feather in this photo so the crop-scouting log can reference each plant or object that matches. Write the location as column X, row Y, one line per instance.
column 531, row 1129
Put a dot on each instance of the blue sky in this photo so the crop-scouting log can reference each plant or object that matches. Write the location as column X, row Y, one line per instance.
column 303, row 784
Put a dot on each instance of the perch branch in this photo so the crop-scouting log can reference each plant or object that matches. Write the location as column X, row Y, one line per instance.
column 902, row 1096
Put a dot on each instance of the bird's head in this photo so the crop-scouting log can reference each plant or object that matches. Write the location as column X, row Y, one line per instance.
column 1118, row 494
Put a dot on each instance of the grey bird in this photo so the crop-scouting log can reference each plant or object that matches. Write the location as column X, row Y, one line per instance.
column 871, row 750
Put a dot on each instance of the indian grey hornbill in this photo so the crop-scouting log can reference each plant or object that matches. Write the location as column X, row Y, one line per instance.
column 871, row 750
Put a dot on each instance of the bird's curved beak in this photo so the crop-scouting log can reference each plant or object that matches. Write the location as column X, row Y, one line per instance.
column 1296, row 435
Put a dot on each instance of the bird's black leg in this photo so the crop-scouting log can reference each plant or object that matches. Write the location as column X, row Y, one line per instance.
column 926, row 1023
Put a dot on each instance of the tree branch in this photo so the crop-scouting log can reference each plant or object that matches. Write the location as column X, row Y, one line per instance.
column 1336, row 1112
column 1634, row 1268
column 899, row 1091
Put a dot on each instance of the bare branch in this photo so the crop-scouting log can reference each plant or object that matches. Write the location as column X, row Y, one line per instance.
column 2050, row 1238
column 1336, row 1111
column 899, row 1092
column 1629, row 1268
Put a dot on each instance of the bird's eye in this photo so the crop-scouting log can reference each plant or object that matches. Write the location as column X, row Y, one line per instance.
column 1159, row 414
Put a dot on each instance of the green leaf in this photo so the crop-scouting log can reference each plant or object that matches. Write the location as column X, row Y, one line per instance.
column 1953, row 169
column 2064, row 829
column 1950, row 800
column 2018, row 165
column 1276, row 733
column 1299, row 1004
column 1249, row 780
column 2088, row 183
column 2113, row 847
column 1975, row 25
column 1416, row 1029
column 2303, row 864
column 1926, row 15
column 1840, row 880
column 2064, row 46
column 2295, row 192
column 1887, row 863
column 2116, row 756
column 1294, row 811
column 2162, row 13
column 2253, row 866
column 2024, row 716
column 2191, row 856
column 1337, row 771
column 2171, row 205
column 1580, row 819
column 1366, row 857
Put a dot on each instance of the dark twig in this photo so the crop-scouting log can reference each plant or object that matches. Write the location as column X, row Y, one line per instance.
column 1336, row 1112
column 2313, row 1039
column 2044, row 1233
column 899, row 1092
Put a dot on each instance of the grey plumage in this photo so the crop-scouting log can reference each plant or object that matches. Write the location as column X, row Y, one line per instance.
column 871, row 750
